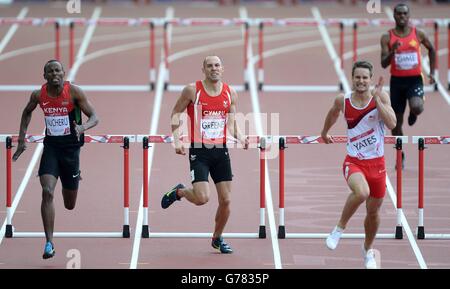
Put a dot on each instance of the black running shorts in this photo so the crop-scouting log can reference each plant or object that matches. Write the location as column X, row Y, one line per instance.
column 403, row 88
column 63, row 162
column 215, row 161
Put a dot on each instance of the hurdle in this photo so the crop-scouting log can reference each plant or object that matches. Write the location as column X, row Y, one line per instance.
column 130, row 22
column 39, row 22
column 204, row 22
column 422, row 141
column 296, row 22
column 306, row 139
column 122, row 139
column 147, row 140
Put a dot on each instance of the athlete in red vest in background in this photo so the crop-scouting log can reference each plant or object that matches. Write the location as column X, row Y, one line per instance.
column 211, row 106
column 400, row 48
column 62, row 104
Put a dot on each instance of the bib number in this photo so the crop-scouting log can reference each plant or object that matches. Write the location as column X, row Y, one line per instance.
column 57, row 125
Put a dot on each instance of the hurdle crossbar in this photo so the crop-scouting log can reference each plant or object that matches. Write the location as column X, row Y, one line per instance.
column 123, row 139
column 307, row 139
column 422, row 141
column 147, row 140
column 204, row 22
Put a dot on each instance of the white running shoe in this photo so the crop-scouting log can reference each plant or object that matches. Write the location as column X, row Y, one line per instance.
column 369, row 259
column 334, row 237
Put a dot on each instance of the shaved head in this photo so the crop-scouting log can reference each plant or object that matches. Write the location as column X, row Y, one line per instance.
column 401, row 5
column 211, row 57
column 50, row 62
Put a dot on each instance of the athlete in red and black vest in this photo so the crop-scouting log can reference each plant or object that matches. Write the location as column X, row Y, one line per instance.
column 400, row 48
column 366, row 112
column 211, row 106
column 62, row 104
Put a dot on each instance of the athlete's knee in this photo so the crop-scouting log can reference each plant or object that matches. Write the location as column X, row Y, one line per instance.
column 202, row 198
column 361, row 193
column 224, row 202
column 69, row 205
column 372, row 212
column 47, row 193
column 417, row 109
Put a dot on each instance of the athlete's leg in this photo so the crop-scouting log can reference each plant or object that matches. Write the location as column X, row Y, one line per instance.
column 372, row 221
column 198, row 194
column 223, row 210
column 48, row 184
column 398, row 130
column 360, row 192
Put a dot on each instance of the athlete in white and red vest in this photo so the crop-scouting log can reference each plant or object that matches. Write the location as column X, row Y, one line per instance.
column 366, row 112
column 62, row 104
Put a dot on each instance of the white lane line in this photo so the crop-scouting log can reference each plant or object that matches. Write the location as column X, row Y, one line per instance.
column 406, row 226
column 330, row 48
column 84, row 44
column 259, row 131
column 151, row 151
column 39, row 147
column 425, row 65
column 12, row 30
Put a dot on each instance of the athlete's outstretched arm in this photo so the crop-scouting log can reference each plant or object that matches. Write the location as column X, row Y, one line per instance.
column 24, row 122
column 232, row 123
column 331, row 118
column 187, row 96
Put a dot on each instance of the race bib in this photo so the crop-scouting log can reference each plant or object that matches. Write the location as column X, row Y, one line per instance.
column 57, row 125
column 406, row 61
column 213, row 128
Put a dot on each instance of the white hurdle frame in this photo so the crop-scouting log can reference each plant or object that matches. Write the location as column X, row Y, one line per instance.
column 422, row 141
column 166, row 139
column 10, row 230
column 307, row 139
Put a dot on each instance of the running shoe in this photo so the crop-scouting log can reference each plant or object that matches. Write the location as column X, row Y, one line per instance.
column 369, row 259
column 334, row 237
column 171, row 196
column 219, row 244
column 49, row 250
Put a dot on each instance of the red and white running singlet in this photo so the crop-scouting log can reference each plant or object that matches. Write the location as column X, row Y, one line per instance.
column 407, row 59
column 365, row 130
column 59, row 114
column 208, row 115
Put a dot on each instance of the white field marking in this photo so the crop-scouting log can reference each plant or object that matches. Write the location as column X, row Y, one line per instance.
column 83, row 47
column 425, row 65
column 390, row 189
column 153, row 130
column 405, row 224
column 259, row 131
column 37, row 152
column 330, row 48
column 12, row 30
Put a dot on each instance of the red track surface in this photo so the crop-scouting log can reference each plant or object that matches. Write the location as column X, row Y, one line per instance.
column 315, row 188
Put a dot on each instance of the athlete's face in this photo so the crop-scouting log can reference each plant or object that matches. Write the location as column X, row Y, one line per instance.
column 213, row 68
column 361, row 79
column 54, row 74
column 401, row 16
